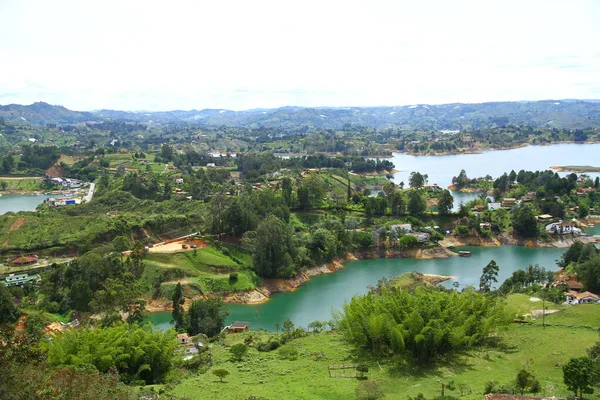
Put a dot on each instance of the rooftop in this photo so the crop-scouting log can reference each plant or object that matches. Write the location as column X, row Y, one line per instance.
column 239, row 324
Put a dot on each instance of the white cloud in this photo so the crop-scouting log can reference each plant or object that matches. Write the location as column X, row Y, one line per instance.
column 239, row 54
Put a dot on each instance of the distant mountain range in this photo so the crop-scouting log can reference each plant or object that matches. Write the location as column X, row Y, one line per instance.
column 547, row 113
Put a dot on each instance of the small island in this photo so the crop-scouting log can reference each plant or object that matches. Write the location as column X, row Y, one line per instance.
column 578, row 169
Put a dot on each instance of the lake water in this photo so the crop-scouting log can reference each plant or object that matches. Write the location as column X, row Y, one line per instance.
column 17, row 202
column 441, row 169
column 319, row 297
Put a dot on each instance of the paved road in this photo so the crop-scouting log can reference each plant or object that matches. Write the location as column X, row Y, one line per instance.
column 90, row 194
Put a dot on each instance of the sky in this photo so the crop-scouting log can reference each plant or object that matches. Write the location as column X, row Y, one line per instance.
column 166, row 55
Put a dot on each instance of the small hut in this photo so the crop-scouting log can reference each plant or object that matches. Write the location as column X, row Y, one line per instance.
column 238, row 326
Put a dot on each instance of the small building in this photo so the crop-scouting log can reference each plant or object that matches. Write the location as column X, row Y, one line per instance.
column 25, row 260
column 179, row 181
column 544, row 217
column 485, row 226
column 572, row 285
column 402, row 227
column 183, row 338
column 211, row 165
column 479, row 208
column 238, row 326
column 432, row 186
column 528, row 196
column 562, row 228
column 20, row 279
column 582, row 298
column 509, row 202
column 422, row 237
column 494, row 206
column 111, row 213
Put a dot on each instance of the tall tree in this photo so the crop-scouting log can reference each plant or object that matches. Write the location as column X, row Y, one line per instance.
column 578, row 375
column 524, row 221
column 273, row 249
column 446, row 202
column 178, row 313
column 8, row 311
column 206, row 316
column 417, row 205
column 489, row 276
column 417, row 180
column 287, row 188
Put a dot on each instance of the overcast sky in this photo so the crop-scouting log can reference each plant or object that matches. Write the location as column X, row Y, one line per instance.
column 150, row 55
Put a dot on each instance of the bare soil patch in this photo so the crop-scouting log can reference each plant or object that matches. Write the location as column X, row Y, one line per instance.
column 177, row 247
column 19, row 222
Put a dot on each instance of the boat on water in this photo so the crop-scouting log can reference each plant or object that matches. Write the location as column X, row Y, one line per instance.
column 464, row 253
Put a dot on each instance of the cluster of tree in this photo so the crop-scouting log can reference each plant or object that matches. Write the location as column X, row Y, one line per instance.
column 254, row 165
column 38, row 157
column 585, row 261
column 424, row 324
column 581, row 374
column 26, row 374
column 203, row 316
column 34, row 159
column 463, row 181
column 117, row 127
column 525, row 381
column 97, row 282
column 532, row 277
column 139, row 354
column 551, row 183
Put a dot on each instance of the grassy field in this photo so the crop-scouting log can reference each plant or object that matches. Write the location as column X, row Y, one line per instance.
column 205, row 271
column 266, row 375
column 25, row 184
column 127, row 160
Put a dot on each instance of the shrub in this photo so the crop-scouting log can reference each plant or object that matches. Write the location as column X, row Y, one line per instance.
column 238, row 351
column 233, row 276
column 271, row 344
column 288, row 353
column 368, row 390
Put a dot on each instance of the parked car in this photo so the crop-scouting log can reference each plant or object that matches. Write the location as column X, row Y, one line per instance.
column 193, row 246
column 184, row 246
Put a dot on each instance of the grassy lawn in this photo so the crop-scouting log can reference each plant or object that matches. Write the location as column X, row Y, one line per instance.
column 266, row 375
column 207, row 271
column 22, row 184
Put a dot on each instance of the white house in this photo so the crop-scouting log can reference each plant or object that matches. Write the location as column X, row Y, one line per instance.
column 582, row 298
column 561, row 228
column 402, row 227
column 179, row 181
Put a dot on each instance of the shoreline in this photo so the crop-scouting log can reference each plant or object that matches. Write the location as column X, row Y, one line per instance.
column 576, row 169
column 270, row 286
column 481, row 151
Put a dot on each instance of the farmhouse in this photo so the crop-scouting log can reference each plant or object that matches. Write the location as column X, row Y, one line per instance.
column 25, row 260
column 582, row 298
column 183, row 338
column 238, row 326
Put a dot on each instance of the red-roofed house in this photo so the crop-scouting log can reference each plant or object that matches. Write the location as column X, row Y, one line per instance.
column 582, row 298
